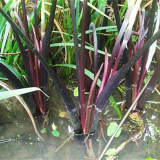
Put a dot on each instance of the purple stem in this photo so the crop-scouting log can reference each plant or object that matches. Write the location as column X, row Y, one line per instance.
column 90, row 101
column 82, row 61
column 103, row 82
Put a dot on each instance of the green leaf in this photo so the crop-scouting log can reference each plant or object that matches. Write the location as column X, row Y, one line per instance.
column 43, row 130
column 2, row 19
column 55, row 133
column 110, row 152
column 112, row 128
column 13, row 71
column 116, row 108
column 75, row 92
column 124, row 9
column 60, row 2
column 72, row 44
column 134, row 38
column 5, row 36
column 16, row 92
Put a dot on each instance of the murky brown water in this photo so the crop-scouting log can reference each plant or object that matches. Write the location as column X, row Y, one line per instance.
column 19, row 141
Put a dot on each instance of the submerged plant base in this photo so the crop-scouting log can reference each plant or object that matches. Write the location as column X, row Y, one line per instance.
column 37, row 113
column 84, row 134
column 83, row 137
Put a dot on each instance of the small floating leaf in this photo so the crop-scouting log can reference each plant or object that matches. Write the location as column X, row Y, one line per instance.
column 55, row 133
column 110, row 152
column 75, row 92
column 43, row 130
column 111, row 129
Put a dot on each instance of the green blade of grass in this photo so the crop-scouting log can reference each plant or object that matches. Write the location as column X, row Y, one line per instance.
column 2, row 19
column 79, row 45
column 5, row 36
column 17, row 92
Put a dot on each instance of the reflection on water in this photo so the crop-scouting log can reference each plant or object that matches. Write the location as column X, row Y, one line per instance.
column 19, row 141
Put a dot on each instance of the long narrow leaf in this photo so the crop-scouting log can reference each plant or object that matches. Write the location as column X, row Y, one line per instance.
column 5, row 37
column 82, row 64
column 17, row 92
column 79, row 45
column 2, row 20
column 11, row 74
column 152, row 48
column 90, row 102
column 92, row 26
column 58, row 83
column 145, row 56
column 117, row 15
column 75, row 43
column 46, row 49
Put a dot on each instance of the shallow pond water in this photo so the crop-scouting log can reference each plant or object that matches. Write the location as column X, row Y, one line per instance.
column 19, row 141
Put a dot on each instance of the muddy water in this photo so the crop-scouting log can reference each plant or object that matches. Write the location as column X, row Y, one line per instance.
column 19, row 141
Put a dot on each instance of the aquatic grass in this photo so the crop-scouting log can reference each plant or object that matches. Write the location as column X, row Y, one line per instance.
column 37, row 76
column 113, row 82
column 114, row 77
column 6, row 7
column 72, row 111
column 86, row 119
column 70, row 43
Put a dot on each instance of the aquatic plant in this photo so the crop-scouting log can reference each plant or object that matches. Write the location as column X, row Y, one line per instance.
column 36, row 74
column 111, row 78
column 85, row 119
column 57, row 81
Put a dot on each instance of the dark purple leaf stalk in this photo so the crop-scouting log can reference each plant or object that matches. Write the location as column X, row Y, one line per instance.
column 141, row 63
column 82, row 65
column 145, row 56
column 38, row 74
column 90, row 103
